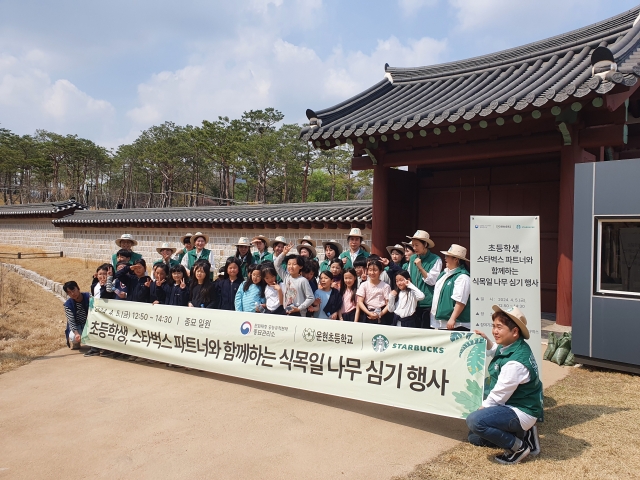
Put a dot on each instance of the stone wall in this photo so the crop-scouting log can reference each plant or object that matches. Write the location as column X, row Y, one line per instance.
column 97, row 243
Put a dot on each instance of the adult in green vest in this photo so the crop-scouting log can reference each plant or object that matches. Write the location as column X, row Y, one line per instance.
column 126, row 242
column 307, row 241
column 198, row 240
column 332, row 249
column 243, row 254
column 356, row 249
column 278, row 245
column 451, row 307
column 424, row 267
column 166, row 250
column 261, row 243
column 186, row 242
column 513, row 391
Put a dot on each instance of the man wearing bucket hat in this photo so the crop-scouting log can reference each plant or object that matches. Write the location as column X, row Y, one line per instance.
column 198, row 241
column 262, row 246
column 332, row 249
column 513, row 392
column 355, row 252
column 424, row 267
column 185, row 240
column 166, row 250
column 451, row 307
column 126, row 242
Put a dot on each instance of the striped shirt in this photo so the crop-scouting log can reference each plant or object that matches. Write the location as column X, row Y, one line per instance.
column 76, row 322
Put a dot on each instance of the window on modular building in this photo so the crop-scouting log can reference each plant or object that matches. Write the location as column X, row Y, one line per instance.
column 619, row 256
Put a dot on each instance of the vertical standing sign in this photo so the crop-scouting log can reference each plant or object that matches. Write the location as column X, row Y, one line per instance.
column 505, row 271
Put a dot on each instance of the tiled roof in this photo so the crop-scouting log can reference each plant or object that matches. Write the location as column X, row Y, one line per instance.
column 358, row 211
column 40, row 209
column 551, row 70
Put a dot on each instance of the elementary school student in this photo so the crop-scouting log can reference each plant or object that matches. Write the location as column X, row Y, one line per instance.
column 179, row 294
column 273, row 291
column 403, row 301
column 373, row 296
column 159, row 288
column 227, row 286
column 250, row 297
column 76, row 309
column 297, row 293
column 332, row 250
column 136, row 280
column 201, row 288
column 328, row 300
column 350, row 310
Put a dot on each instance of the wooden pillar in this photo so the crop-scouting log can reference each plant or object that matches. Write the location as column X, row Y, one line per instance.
column 569, row 156
column 380, row 210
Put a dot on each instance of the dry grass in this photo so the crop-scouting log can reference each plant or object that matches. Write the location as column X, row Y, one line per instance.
column 590, row 432
column 56, row 269
column 32, row 321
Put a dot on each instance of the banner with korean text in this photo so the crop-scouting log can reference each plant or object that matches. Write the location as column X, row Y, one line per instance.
column 505, row 271
column 437, row 372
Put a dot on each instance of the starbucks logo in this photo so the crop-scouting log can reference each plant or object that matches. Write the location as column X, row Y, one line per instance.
column 379, row 343
column 308, row 334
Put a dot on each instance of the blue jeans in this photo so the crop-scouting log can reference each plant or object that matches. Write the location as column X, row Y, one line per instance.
column 495, row 427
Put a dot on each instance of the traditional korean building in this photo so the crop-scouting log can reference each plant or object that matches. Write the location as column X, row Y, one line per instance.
column 495, row 135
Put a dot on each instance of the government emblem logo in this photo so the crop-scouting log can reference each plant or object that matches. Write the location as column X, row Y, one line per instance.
column 380, row 343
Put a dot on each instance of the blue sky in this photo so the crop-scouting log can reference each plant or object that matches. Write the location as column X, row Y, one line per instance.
column 107, row 70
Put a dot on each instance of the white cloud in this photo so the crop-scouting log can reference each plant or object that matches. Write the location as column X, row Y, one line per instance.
column 27, row 91
column 259, row 70
column 411, row 7
column 514, row 15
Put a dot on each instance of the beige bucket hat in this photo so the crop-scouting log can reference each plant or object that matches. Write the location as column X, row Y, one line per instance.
column 456, row 251
column 517, row 316
column 355, row 232
column 126, row 236
column 307, row 239
column 334, row 243
column 184, row 238
column 398, row 247
column 165, row 246
column 308, row 246
column 243, row 242
column 423, row 236
column 278, row 239
column 260, row 238
column 199, row 234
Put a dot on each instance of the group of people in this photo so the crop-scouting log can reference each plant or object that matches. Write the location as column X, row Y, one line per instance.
column 412, row 288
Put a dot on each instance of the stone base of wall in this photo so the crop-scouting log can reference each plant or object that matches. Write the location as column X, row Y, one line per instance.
column 50, row 285
column 99, row 243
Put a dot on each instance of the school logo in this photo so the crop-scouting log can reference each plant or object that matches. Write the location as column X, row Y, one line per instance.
column 309, row 334
column 245, row 328
column 379, row 343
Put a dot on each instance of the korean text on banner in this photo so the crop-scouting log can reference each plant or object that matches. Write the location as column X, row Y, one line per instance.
column 429, row 371
column 505, row 271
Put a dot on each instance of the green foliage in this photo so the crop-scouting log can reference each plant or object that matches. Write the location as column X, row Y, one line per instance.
column 470, row 399
column 476, row 358
column 256, row 158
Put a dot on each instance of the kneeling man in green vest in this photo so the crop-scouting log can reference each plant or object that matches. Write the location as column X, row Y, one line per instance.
column 513, row 392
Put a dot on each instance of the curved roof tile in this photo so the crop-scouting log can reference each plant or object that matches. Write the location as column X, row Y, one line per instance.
column 550, row 70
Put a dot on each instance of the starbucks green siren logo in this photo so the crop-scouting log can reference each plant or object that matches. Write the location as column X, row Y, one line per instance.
column 379, row 343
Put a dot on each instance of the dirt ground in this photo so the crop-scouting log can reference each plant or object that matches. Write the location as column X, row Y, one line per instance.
column 67, row 415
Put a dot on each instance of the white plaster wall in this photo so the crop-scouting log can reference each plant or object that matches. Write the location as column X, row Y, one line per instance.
column 99, row 243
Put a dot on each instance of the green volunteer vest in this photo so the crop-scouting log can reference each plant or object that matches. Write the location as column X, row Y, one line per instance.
column 172, row 262
column 405, row 266
column 361, row 255
column 324, row 266
column 181, row 255
column 528, row 396
column 267, row 257
column 428, row 261
column 446, row 304
column 134, row 256
column 191, row 257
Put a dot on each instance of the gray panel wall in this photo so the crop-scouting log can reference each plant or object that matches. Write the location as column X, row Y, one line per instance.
column 604, row 328
column 582, row 233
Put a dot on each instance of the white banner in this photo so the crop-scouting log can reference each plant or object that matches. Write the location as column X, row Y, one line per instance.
column 505, row 271
column 430, row 371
